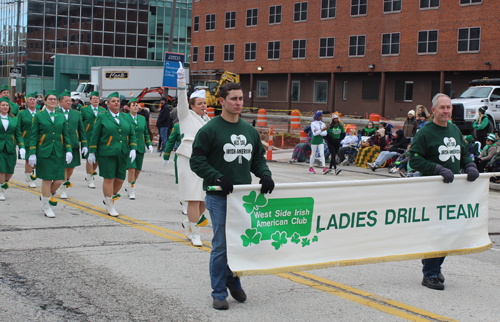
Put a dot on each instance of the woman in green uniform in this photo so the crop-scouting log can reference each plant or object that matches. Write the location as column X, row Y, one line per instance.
column 14, row 108
column 26, row 117
column 50, row 150
column 143, row 139
column 76, row 134
column 113, row 142
column 10, row 136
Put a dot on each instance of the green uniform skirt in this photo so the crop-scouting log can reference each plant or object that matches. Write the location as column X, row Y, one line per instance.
column 76, row 159
column 137, row 164
column 7, row 162
column 51, row 168
column 114, row 166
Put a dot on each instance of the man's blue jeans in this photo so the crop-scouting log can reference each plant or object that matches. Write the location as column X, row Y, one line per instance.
column 164, row 134
column 219, row 270
column 432, row 266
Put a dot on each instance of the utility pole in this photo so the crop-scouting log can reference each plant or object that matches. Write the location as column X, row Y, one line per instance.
column 16, row 45
column 172, row 24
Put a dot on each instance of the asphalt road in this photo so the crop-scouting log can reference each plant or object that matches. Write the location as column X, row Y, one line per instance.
column 86, row 266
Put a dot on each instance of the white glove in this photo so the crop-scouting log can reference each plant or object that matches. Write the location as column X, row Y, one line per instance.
column 181, row 72
column 32, row 160
column 150, row 149
column 132, row 155
column 69, row 157
column 22, row 153
column 91, row 158
column 85, row 150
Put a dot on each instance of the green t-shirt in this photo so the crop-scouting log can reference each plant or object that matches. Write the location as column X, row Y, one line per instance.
column 336, row 131
column 221, row 148
column 434, row 144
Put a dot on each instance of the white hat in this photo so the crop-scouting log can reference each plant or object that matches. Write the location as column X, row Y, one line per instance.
column 412, row 112
column 199, row 93
column 335, row 116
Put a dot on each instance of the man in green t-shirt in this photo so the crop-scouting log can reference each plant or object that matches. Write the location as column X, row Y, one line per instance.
column 439, row 149
column 225, row 151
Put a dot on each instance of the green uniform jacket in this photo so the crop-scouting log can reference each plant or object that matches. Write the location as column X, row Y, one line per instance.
column 49, row 137
column 75, row 129
column 88, row 119
column 110, row 138
column 12, row 137
column 175, row 137
column 141, row 133
column 26, row 121
column 14, row 108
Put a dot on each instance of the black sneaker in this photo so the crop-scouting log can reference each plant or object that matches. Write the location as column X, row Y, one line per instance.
column 236, row 291
column 433, row 283
column 220, row 303
column 440, row 276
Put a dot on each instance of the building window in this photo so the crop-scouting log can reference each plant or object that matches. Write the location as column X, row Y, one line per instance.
column 262, row 89
column 358, row 7
column 424, row 4
column 328, row 8
column 195, row 54
column 344, row 91
column 470, row 1
column 392, row 5
column 209, row 53
column 252, row 15
column 436, row 85
column 299, row 48
column 370, row 89
column 390, row 44
column 326, row 47
column 273, row 50
column 428, row 42
column 357, row 45
column 468, row 39
column 300, row 12
column 250, row 51
column 274, row 15
column 229, row 52
column 196, row 24
column 404, row 91
column 210, row 22
column 231, row 20
column 295, row 94
column 320, row 91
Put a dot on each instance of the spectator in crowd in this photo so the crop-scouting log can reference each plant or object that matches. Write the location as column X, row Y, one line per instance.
column 388, row 129
column 75, row 105
column 411, row 125
column 319, row 132
column 144, row 112
column 489, row 151
column 163, row 124
column 398, row 147
column 481, row 125
column 369, row 129
column 348, row 143
column 401, row 163
column 474, row 146
column 422, row 120
column 369, row 154
column 335, row 133
column 173, row 116
column 422, row 109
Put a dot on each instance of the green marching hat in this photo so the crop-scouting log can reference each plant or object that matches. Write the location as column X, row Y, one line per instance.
column 4, row 99
column 52, row 92
column 134, row 99
column 65, row 93
column 114, row 94
column 31, row 95
column 94, row 93
column 4, row 88
column 491, row 137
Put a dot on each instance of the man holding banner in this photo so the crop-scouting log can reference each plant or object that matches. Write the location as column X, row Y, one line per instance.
column 439, row 149
column 225, row 151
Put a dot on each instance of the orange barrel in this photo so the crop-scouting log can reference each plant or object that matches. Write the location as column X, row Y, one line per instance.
column 270, row 144
column 210, row 112
column 262, row 118
column 303, row 137
column 295, row 121
column 374, row 117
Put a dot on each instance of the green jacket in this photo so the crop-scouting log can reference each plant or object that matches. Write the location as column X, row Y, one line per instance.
column 75, row 128
column 26, row 121
column 141, row 133
column 110, row 138
column 174, row 137
column 88, row 118
column 49, row 137
column 14, row 108
column 12, row 137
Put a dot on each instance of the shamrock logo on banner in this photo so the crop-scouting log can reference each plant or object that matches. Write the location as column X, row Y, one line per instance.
column 239, row 149
column 449, row 150
column 253, row 202
column 251, row 237
column 279, row 239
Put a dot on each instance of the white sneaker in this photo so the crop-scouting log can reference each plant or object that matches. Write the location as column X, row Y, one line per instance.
column 62, row 192
column 131, row 193
column 46, row 208
column 343, row 162
column 110, row 207
column 2, row 194
column 184, row 207
column 195, row 237
column 187, row 229
column 31, row 183
column 337, row 171
column 90, row 181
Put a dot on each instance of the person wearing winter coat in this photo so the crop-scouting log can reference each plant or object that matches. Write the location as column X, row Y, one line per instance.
column 410, row 127
column 489, row 151
column 400, row 143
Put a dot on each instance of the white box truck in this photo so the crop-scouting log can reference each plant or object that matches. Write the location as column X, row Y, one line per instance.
column 129, row 81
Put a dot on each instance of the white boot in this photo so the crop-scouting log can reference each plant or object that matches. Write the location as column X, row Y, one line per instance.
column 30, row 182
column 196, row 238
column 90, row 181
column 46, row 208
column 110, row 207
column 187, row 229
column 2, row 194
column 62, row 192
column 131, row 192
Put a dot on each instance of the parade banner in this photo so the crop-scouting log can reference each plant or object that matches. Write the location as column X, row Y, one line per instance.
column 323, row 224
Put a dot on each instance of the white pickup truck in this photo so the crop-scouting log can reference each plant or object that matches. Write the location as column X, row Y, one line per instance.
column 482, row 92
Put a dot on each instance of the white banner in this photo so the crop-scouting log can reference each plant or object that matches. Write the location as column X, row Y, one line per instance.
column 320, row 224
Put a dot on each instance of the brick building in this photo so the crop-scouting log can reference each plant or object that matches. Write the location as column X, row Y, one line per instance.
column 352, row 56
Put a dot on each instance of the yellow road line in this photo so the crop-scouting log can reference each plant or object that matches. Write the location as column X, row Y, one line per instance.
column 346, row 292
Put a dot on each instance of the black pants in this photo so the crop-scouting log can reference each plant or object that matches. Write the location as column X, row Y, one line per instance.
column 333, row 146
column 480, row 165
